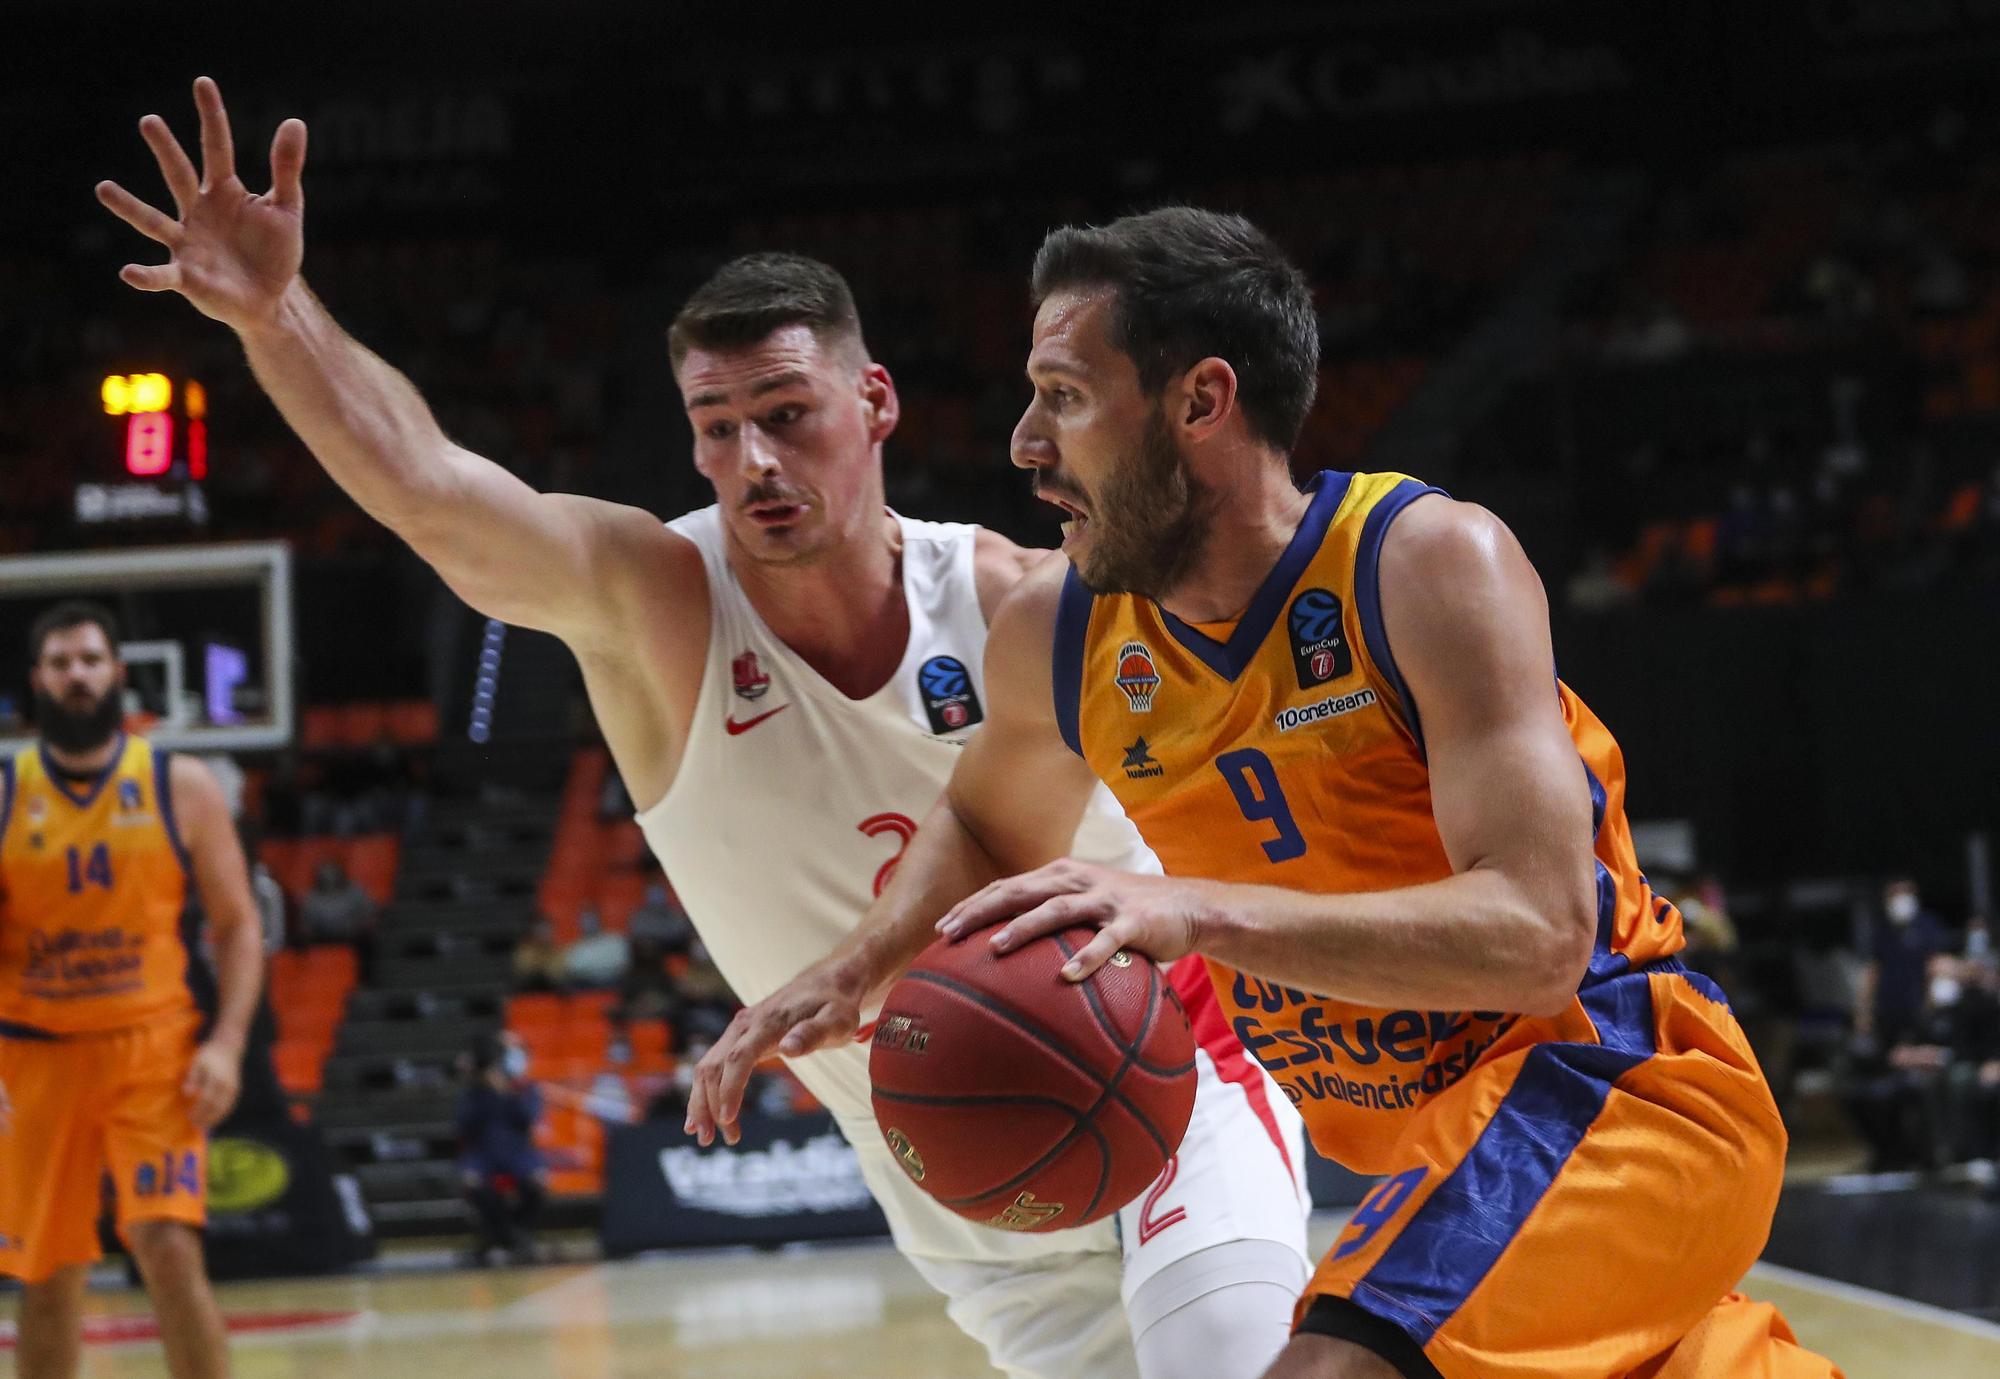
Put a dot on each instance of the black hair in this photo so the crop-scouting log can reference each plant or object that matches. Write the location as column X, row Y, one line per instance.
column 71, row 613
column 1191, row 284
column 749, row 297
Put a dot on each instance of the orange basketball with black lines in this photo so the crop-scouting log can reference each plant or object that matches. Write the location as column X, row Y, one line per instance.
column 1025, row 1101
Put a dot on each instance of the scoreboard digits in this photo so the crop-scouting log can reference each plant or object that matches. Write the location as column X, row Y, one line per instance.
column 146, row 401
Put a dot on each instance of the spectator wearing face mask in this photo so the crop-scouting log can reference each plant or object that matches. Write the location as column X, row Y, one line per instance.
column 1919, row 1101
column 1897, row 947
column 500, row 1167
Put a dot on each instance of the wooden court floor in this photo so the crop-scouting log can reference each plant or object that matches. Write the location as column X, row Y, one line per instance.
column 832, row 1313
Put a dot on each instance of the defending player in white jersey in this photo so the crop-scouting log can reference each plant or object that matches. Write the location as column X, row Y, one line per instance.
column 783, row 679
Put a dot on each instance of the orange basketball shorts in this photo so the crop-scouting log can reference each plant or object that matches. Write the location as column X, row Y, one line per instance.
column 1575, row 1210
column 85, row 1106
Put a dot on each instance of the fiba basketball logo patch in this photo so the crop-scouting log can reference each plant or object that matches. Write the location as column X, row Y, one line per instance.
column 751, row 681
column 129, row 798
column 1319, row 646
column 1138, row 677
column 949, row 698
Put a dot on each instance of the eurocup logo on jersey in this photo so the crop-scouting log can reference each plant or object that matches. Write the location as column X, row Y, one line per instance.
column 1138, row 677
column 1319, row 648
column 949, row 697
column 751, row 681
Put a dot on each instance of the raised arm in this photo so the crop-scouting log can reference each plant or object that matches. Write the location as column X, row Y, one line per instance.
column 1014, row 802
column 546, row 561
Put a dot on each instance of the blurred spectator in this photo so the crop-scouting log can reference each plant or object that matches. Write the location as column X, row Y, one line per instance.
column 670, row 1102
column 648, row 991
column 613, row 800
column 1897, row 945
column 538, row 962
column 610, row 1096
column 599, row 958
column 1923, row 1099
column 1597, row 586
column 336, row 909
column 266, row 891
column 499, row 1165
column 661, row 920
column 1979, row 944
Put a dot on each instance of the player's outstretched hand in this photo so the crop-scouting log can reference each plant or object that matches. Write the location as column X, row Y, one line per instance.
column 212, row 1082
column 1160, row 916
column 231, row 253
column 815, row 1009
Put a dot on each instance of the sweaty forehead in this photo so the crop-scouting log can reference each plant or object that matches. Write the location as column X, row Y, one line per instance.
column 1073, row 332
column 787, row 356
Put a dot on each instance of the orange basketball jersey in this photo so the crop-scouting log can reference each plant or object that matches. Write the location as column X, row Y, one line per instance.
column 1285, row 750
column 93, row 893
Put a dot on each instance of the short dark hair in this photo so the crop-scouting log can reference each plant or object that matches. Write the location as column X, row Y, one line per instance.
column 68, row 614
column 749, row 297
column 1192, row 284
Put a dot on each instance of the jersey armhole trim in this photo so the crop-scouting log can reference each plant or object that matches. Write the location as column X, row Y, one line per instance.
column 1072, row 627
column 6, row 793
column 1368, row 595
column 163, row 783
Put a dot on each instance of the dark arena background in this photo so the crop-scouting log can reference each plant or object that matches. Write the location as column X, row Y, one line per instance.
column 1702, row 299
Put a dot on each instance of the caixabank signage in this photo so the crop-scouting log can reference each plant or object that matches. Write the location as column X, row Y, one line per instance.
column 788, row 1179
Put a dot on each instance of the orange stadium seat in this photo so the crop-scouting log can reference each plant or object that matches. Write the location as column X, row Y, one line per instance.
column 584, row 1040
column 535, row 1010
column 413, row 723
column 362, row 724
column 592, row 1005
column 622, row 845
column 319, row 727
column 372, row 860
column 617, row 896
column 301, row 1065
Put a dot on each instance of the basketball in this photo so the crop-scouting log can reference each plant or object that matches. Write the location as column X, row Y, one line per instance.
column 1022, row 1100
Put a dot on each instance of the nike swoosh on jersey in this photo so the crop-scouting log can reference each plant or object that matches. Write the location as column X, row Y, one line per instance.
column 747, row 724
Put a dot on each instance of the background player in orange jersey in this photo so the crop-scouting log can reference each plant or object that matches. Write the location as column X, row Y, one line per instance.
column 104, row 1067
column 1409, row 869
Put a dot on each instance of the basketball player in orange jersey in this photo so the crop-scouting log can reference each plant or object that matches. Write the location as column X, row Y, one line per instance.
column 785, row 680
column 1397, row 838
column 105, row 1068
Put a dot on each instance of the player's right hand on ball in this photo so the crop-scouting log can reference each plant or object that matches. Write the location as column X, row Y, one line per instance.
column 814, row 1010
column 232, row 254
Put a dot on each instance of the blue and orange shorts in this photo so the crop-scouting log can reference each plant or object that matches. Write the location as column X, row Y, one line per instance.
column 1578, row 1210
column 85, row 1106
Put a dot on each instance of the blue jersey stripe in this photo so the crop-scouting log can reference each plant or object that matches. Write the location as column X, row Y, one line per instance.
column 163, row 788
column 87, row 795
column 1461, row 1230
column 1072, row 627
column 6, row 793
column 1368, row 593
column 1230, row 659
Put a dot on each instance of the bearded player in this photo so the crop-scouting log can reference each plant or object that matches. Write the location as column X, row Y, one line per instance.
column 1399, row 841
column 785, row 681
column 105, row 1069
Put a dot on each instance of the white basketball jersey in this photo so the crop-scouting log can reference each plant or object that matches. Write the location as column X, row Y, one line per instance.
column 793, row 804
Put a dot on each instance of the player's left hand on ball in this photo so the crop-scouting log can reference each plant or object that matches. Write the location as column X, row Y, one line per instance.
column 211, row 1084
column 1159, row 916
